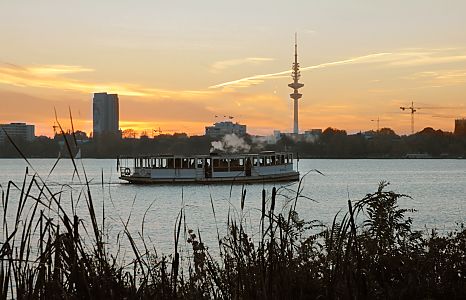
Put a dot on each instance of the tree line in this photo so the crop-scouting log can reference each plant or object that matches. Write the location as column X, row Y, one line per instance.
column 332, row 143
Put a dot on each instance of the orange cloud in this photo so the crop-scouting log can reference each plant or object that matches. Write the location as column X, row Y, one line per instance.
column 358, row 98
column 48, row 76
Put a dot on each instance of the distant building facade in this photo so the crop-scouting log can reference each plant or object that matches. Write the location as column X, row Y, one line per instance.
column 460, row 126
column 220, row 129
column 17, row 131
column 106, row 114
column 315, row 132
column 308, row 136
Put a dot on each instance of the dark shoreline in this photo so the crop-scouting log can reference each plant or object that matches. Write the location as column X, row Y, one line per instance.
column 304, row 157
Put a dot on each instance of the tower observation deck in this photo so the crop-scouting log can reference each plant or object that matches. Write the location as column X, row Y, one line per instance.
column 295, row 85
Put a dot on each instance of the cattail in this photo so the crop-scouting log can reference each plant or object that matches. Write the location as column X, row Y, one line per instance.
column 243, row 197
column 263, row 204
column 274, row 194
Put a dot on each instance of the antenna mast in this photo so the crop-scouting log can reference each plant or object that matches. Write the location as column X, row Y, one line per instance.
column 295, row 85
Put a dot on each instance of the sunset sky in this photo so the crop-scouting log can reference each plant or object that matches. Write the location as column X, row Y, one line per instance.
column 177, row 64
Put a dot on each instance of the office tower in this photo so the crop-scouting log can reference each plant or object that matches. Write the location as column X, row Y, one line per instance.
column 105, row 114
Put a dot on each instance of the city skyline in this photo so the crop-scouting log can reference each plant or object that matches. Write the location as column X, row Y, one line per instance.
column 176, row 66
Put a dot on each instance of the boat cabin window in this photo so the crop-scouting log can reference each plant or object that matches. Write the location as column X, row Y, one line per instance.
column 220, row 165
column 255, row 161
column 236, row 164
column 200, row 162
column 187, row 163
column 261, row 161
column 268, row 161
column 163, row 163
column 177, row 163
column 184, row 163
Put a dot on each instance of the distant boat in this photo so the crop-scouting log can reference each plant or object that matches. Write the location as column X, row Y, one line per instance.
column 418, row 155
column 267, row 166
column 78, row 155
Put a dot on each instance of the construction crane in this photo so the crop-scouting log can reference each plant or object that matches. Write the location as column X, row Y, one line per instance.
column 412, row 109
column 378, row 123
column 225, row 117
column 54, row 128
column 155, row 131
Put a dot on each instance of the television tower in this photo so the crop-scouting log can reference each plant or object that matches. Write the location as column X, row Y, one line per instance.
column 295, row 85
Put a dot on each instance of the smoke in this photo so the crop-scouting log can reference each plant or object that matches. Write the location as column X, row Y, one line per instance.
column 259, row 142
column 310, row 139
column 230, row 143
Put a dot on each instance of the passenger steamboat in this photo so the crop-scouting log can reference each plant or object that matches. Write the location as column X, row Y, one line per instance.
column 267, row 166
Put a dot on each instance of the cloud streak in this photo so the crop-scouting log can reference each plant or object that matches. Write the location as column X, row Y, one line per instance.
column 225, row 64
column 405, row 58
column 257, row 79
column 54, row 70
column 440, row 78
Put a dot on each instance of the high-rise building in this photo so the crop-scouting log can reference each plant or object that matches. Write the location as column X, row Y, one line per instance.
column 105, row 114
column 223, row 128
column 295, row 85
column 17, row 131
column 460, row 126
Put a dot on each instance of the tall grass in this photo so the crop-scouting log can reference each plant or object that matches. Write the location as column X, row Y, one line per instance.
column 368, row 252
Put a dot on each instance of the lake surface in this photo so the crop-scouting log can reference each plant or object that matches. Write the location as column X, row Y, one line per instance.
column 437, row 188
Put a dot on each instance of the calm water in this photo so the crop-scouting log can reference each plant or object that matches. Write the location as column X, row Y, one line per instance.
column 437, row 188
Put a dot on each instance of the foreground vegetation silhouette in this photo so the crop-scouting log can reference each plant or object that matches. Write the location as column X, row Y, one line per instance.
column 369, row 252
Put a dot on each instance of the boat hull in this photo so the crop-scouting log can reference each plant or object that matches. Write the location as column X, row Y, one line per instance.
column 284, row 177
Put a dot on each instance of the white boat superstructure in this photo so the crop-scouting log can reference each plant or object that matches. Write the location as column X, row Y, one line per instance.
column 267, row 166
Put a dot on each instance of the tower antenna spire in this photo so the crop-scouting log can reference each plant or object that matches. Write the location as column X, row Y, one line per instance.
column 295, row 85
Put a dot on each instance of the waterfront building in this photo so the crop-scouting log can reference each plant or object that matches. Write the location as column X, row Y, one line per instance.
column 21, row 131
column 460, row 126
column 315, row 131
column 105, row 108
column 309, row 136
column 269, row 139
column 221, row 129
